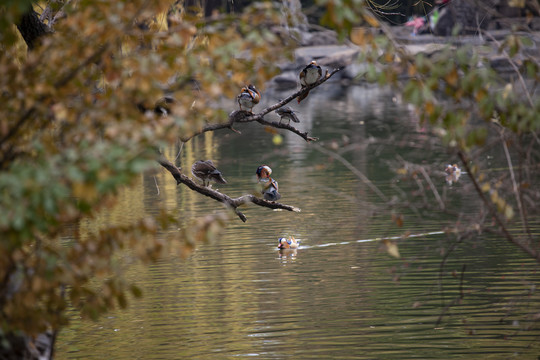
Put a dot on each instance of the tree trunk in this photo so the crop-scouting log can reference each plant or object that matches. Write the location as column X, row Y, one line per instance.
column 31, row 28
column 23, row 347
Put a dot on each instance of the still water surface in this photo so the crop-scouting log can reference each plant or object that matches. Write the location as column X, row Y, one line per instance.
column 341, row 295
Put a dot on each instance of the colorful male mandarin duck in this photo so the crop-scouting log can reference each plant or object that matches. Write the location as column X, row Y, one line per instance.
column 269, row 186
column 452, row 173
column 248, row 97
column 309, row 76
column 254, row 93
column 286, row 113
column 205, row 171
column 290, row 243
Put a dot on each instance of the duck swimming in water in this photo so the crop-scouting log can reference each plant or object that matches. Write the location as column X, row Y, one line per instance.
column 290, row 243
column 453, row 172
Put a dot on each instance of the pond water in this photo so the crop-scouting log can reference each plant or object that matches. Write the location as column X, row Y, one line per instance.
column 341, row 295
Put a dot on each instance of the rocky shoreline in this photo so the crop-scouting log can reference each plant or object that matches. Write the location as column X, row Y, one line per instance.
column 332, row 54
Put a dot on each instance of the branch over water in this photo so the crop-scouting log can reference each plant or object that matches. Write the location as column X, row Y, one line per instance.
column 233, row 203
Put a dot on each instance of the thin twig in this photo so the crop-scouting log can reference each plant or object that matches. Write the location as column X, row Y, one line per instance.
column 157, row 186
column 514, row 185
column 179, row 150
column 432, row 187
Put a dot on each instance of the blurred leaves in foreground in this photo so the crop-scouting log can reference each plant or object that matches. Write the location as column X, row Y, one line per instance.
column 77, row 125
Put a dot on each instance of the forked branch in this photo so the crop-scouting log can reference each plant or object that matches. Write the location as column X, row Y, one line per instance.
column 523, row 245
column 233, row 203
column 240, row 116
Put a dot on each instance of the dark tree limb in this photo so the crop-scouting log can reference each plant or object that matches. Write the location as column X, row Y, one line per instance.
column 303, row 135
column 241, row 116
column 496, row 215
column 233, row 203
column 31, row 28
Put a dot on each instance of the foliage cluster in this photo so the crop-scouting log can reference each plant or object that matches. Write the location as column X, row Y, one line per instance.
column 474, row 108
column 78, row 124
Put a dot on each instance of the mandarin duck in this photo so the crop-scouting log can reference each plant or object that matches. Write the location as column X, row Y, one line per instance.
column 286, row 113
column 290, row 243
column 309, row 76
column 205, row 171
column 248, row 97
column 254, row 93
column 453, row 172
column 269, row 186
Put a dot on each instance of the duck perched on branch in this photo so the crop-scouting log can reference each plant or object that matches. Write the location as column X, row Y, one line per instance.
column 269, row 186
column 309, row 76
column 205, row 171
column 286, row 113
column 248, row 97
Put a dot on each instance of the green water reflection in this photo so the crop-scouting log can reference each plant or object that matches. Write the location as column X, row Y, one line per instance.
column 336, row 297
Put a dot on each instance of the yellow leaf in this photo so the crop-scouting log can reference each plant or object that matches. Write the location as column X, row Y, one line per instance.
column 452, row 77
column 358, row 36
column 362, row 37
column 401, row 171
column 371, row 20
column 411, row 70
column 85, row 191
column 508, row 212
column 480, row 94
column 398, row 219
column 508, row 89
column 392, row 248
column 430, row 108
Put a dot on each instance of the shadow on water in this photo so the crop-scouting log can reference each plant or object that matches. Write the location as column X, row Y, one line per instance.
column 340, row 295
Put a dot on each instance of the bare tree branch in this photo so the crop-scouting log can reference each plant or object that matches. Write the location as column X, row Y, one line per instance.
column 493, row 210
column 515, row 187
column 240, row 116
column 275, row 124
column 233, row 203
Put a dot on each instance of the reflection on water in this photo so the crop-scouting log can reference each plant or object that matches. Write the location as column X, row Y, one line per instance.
column 340, row 295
